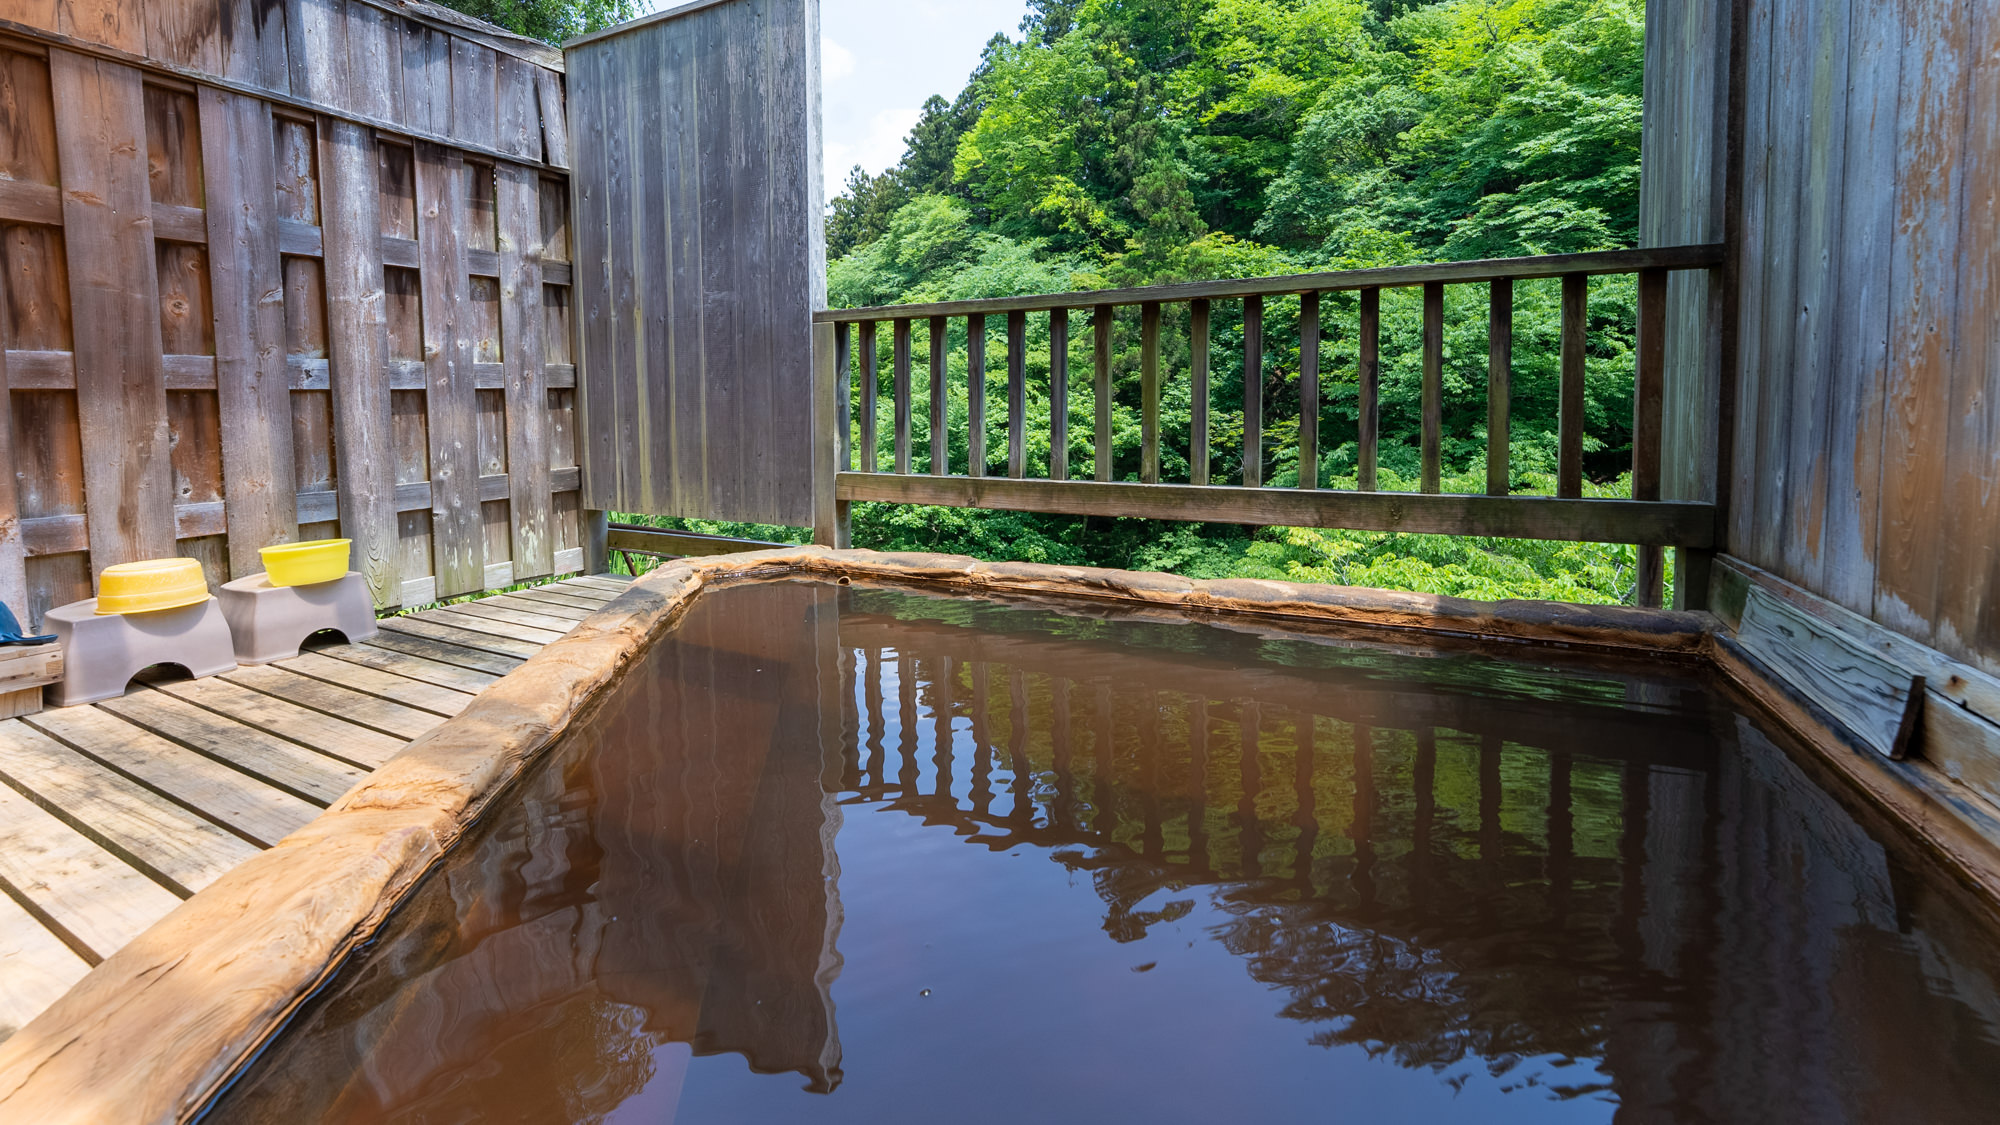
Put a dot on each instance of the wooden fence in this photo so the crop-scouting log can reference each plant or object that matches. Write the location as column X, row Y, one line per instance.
column 1645, row 519
column 282, row 270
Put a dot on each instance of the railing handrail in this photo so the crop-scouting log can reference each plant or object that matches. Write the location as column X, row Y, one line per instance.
column 1705, row 256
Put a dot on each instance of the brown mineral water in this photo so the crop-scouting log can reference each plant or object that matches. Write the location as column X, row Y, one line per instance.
column 858, row 855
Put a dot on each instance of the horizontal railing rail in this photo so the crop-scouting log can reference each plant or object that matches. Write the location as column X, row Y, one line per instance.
column 1643, row 519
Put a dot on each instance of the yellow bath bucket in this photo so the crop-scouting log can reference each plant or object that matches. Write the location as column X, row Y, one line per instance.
column 306, row 564
column 150, row 586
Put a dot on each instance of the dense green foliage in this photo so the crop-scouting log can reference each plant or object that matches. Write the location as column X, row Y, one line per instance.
column 549, row 20
column 1130, row 142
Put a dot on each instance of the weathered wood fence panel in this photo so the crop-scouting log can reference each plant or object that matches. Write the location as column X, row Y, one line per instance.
column 348, row 314
column 698, row 188
column 1867, row 365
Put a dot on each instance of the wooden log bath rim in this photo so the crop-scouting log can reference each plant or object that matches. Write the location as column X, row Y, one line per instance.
column 156, row 1031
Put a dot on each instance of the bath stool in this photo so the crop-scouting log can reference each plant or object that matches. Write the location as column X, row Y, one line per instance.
column 271, row 622
column 101, row 654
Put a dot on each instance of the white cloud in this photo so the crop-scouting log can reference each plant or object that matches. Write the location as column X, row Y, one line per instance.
column 876, row 149
column 835, row 61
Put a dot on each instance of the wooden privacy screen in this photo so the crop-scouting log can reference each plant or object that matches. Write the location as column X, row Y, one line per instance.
column 282, row 270
column 699, row 234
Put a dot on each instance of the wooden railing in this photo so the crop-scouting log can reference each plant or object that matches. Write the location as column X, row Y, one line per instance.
column 1644, row 519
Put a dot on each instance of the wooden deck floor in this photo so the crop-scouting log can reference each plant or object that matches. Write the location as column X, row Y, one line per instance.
column 111, row 814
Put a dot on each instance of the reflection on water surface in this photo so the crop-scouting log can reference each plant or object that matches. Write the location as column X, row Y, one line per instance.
column 842, row 855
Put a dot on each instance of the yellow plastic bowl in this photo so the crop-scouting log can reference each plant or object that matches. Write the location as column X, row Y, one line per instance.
column 306, row 564
column 150, row 586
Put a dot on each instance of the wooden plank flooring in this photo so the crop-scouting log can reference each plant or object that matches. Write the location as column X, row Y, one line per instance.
column 113, row 813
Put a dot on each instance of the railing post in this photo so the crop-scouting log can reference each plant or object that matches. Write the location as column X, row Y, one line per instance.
column 940, row 416
column 900, row 408
column 871, row 460
column 1100, row 325
column 1253, row 391
column 1149, row 393
column 1309, row 390
column 1368, row 371
column 1499, row 387
column 1648, row 393
column 829, row 444
column 1198, row 393
column 1433, row 420
column 975, row 396
column 1569, row 422
column 1017, row 394
column 1058, row 394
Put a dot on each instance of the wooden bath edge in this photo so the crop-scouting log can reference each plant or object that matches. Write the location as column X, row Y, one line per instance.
column 154, row 1033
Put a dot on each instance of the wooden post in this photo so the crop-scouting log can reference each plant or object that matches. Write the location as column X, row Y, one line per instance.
column 358, row 336
column 1309, row 390
column 871, row 454
column 1198, row 315
column 1499, row 386
column 1101, row 329
column 830, row 522
column 843, row 397
column 1368, row 374
column 1433, row 421
column 975, row 395
column 1017, row 394
column 1253, row 391
column 940, row 439
column 596, row 541
column 1648, row 392
column 900, row 406
column 1569, row 427
column 1149, row 393
column 1058, row 394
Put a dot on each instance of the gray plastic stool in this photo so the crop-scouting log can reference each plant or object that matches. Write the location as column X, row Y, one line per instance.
column 101, row 654
column 271, row 622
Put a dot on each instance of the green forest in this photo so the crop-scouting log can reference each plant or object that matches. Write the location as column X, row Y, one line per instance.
column 1134, row 142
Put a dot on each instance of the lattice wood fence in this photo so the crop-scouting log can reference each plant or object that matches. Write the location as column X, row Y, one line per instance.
column 276, row 270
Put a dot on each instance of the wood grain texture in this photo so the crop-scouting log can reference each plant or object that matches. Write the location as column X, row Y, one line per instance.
column 1570, row 420
column 261, row 813
column 975, row 396
column 95, row 900
column 1433, row 389
column 1253, row 391
column 1100, row 330
column 1309, row 406
column 899, row 391
column 1499, row 385
column 458, row 530
column 939, row 397
column 175, row 847
column 358, row 328
column 1017, row 395
column 1059, row 394
column 1368, row 379
column 1874, row 698
column 121, row 385
column 527, row 393
column 1149, row 392
column 730, row 292
column 251, row 376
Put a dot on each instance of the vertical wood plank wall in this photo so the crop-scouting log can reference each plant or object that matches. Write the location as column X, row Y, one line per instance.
column 1866, row 459
column 347, row 316
column 698, row 203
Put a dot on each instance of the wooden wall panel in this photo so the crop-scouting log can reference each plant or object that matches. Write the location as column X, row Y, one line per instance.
column 120, row 381
column 456, row 527
column 359, row 330
column 696, row 333
column 252, row 332
column 1865, row 371
column 255, row 367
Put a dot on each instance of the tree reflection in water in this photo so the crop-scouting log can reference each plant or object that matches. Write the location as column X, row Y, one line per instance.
column 1431, row 855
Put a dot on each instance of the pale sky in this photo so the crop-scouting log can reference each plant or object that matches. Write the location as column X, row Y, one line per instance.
column 879, row 60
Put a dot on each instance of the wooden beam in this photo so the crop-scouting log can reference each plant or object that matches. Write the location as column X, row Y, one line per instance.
column 1198, row 328
column 871, row 460
column 1550, row 265
column 1309, row 390
column 1100, row 325
column 1149, row 393
column 1500, row 387
column 829, row 513
column 1059, row 394
column 1519, row 517
column 975, row 396
column 1253, row 391
column 1433, row 394
column 679, row 544
column 940, row 330
column 1017, row 394
column 1569, row 425
column 900, row 391
column 1647, row 422
column 1368, row 376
